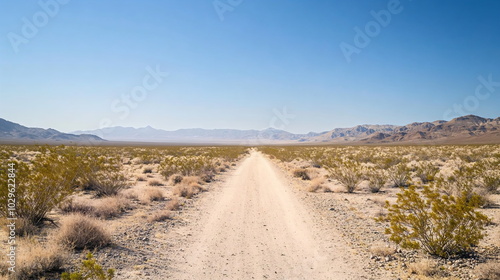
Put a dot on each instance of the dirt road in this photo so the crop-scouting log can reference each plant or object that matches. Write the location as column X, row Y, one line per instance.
column 256, row 228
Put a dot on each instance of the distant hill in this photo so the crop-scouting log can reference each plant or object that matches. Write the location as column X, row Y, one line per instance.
column 149, row 134
column 10, row 131
column 342, row 135
column 466, row 129
column 462, row 130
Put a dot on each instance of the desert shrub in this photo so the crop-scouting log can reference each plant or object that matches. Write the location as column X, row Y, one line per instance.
column 107, row 207
column 488, row 271
column 141, row 179
column 189, row 180
column 316, row 184
column 110, row 207
column 149, row 194
column 159, row 216
column 77, row 205
column 184, row 191
column 423, row 267
column 147, row 170
column 426, row 171
column 188, row 190
column 34, row 260
column 487, row 174
column 301, row 173
column 485, row 198
column 81, row 232
column 155, row 183
column 380, row 249
column 187, row 165
column 130, row 194
column 399, row 175
column 461, row 180
column 348, row 174
column 222, row 168
column 176, row 179
column 388, row 162
column 89, row 270
column 441, row 225
column 377, row 179
column 108, row 183
column 207, row 176
column 173, row 204
column 41, row 185
column 490, row 182
column 100, row 172
column 25, row 227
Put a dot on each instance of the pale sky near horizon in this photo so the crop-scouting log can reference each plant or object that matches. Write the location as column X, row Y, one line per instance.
column 295, row 65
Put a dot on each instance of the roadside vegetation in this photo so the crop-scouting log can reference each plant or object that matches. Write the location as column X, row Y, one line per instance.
column 66, row 196
column 440, row 201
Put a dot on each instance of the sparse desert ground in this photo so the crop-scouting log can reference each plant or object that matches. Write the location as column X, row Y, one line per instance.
column 241, row 213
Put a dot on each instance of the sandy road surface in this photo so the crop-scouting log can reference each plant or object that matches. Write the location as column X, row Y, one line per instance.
column 256, row 228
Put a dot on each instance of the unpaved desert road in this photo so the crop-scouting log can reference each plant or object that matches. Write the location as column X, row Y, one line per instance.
column 256, row 228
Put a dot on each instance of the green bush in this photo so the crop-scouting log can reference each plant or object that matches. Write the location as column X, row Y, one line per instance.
column 426, row 171
column 89, row 270
column 440, row 224
column 348, row 174
column 187, row 165
column 41, row 185
column 301, row 173
column 99, row 173
column 377, row 178
column 399, row 175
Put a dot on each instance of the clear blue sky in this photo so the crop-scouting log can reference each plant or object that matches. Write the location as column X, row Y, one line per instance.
column 235, row 67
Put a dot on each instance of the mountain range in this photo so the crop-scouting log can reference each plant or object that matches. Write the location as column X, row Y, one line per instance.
column 149, row 134
column 13, row 132
column 468, row 129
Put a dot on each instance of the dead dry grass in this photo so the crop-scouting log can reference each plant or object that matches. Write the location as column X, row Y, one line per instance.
column 25, row 228
column 188, row 190
column 155, row 183
column 176, row 179
column 488, row 271
column 424, row 267
column 131, row 194
column 173, row 204
column 301, row 173
column 317, row 184
column 148, row 194
column 107, row 207
column 34, row 259
column 81, row 232
column 159, row 216
column 381, row 249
